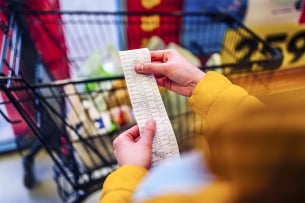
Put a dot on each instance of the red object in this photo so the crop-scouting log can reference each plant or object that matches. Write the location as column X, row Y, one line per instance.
column 12, row 113
column 302, row 16
column 141, row 28
column 48, row 36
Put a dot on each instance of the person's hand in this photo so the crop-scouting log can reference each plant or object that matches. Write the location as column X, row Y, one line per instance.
column 172, row 71
column 132, row 149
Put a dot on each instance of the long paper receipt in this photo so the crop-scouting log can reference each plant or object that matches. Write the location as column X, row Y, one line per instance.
column 147, row 104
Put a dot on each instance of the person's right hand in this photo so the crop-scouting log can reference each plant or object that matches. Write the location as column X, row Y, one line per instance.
column 172, row 71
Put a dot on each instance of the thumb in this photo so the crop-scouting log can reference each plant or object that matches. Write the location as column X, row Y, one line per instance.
column 150, row 68
column 149, row 132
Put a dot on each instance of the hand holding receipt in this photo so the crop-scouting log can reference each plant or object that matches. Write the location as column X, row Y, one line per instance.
column 147, row 104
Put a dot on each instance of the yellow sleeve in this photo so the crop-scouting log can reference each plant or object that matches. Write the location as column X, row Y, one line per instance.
column 120, row 185
column 215, row 98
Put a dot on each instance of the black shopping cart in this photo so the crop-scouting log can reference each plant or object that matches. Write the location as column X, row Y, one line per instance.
column 76, row 120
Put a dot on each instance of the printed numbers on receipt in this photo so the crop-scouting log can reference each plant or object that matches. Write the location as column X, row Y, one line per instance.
column 147, row 104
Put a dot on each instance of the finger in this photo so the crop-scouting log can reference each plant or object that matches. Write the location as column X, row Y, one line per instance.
column 157, row 55
column 170, row 85
column 151, row 68
column 133, row 132
column 130, row 134
column 148, row 132
column 158, row 76
column 164, row 82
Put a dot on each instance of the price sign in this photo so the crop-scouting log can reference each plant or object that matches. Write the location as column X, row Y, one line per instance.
column 289, row 39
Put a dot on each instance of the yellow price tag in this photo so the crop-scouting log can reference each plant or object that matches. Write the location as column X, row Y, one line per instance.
column 289, row 39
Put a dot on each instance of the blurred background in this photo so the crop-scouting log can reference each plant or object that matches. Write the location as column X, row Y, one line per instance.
column 73, row 45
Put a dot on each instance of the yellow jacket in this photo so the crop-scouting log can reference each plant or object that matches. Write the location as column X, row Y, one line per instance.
column 214, row 99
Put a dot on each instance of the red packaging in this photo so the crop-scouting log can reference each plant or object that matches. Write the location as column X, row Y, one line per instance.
column 141, row 28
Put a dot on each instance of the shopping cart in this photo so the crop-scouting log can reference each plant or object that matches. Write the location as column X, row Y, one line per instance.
column 76, row 120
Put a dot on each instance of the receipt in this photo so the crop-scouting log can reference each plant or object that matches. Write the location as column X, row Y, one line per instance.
column 147, row 104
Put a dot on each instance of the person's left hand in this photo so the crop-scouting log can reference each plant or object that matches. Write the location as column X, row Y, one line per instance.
column 132, row 149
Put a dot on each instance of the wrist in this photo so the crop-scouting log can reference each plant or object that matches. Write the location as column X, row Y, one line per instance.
column 198, row 75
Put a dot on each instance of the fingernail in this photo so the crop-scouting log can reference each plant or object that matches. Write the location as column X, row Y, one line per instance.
column 139, row 67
